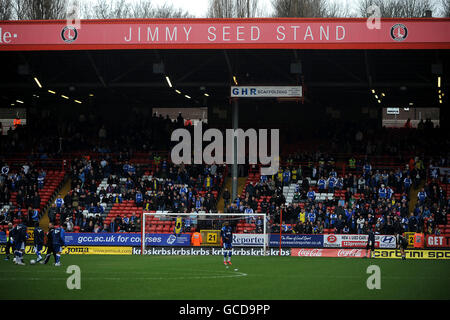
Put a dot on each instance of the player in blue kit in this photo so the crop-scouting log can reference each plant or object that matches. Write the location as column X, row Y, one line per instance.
column 227, row 238
column 58, row 243
column 38, row 241
column 19, row 240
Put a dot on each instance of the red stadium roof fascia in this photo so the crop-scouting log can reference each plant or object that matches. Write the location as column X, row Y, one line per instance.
column 354, row 46
column 443, row 34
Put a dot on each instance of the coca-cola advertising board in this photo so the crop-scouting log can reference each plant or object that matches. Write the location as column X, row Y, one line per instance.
column 328, row 253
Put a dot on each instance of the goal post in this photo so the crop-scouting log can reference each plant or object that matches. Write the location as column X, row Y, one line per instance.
column 249, row 229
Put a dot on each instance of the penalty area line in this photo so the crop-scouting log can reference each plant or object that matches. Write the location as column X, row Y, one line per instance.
column 214, row 276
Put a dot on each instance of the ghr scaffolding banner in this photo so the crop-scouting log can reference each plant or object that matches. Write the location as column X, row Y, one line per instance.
column 266, row 92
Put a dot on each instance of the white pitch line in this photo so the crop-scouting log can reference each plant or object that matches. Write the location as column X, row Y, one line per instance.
column 216, row 275
column 239, row 274
column 50, row 271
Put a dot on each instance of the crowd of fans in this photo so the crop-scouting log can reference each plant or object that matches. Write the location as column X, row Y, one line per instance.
column 50, row 134
column 377, row 197
column 161, row 187
column 368, row 138
column 370, row 198
column 26, row 180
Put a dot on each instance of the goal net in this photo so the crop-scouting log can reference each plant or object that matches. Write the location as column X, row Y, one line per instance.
column 199, row 233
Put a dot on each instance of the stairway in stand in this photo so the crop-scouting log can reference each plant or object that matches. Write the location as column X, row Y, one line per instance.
column 62, row 191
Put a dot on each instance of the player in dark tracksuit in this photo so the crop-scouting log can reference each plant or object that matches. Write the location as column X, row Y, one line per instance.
column 8, row 244
column 370, row 243
column 402, row 244
column 19, row 240
column 9, row 241
column 38, row 241
column 50, row 249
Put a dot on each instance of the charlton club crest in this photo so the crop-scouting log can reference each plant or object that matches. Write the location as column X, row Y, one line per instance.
column 399, row 32
column 69, row 34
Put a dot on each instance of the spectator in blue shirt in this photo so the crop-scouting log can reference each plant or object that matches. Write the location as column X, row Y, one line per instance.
column 326, row 222
column 311, row 216
column 353, row 224
column 405, row 223
column 382, row 192
column 407, row 183
column 125, row 168
column 286, row 177
column 34, row 216
column 422, row 195
column 367, row 169
column 322, row 184
column 333, row 219
column 426, row 212
column 412, row 223
column 59, row 202
column 41, row 179
column 389, row 192
column 385, row 177
column 332, row 181
column 311, row 195
column 139, row 199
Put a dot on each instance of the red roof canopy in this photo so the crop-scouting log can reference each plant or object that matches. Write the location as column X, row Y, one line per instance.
column 258, row 33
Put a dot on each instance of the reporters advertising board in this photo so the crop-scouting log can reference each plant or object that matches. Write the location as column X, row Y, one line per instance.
column 250, row 240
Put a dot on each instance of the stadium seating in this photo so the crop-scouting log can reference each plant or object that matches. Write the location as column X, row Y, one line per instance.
column 129, row 207
column 124, row 209
column 244, row 227
column 155, row 225
column 53, row 182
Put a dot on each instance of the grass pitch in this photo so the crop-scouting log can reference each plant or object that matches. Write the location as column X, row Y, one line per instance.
column 206, row 278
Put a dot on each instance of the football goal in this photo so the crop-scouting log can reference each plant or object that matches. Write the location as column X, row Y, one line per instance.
column 202, row 230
